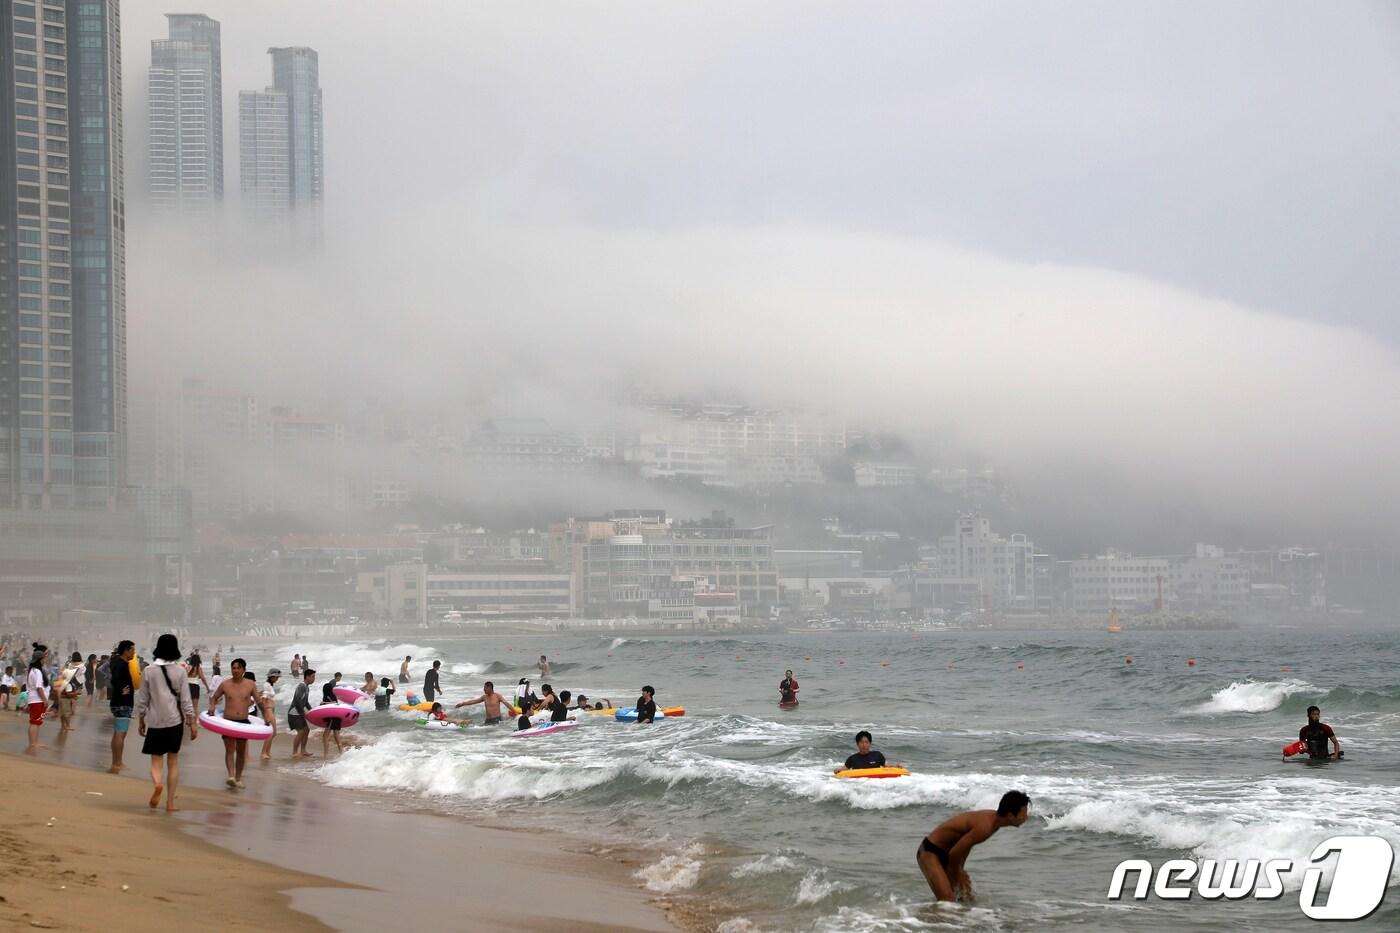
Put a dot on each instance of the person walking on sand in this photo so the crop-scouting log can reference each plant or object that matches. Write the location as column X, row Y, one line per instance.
column 195, row 665
column 239, row 699
column 164, row 711
column 403, row 669
column 37, row 682
column 125, row 679
column 71, row 691
column 296, row 714
column 267, row 699
column 90, row 678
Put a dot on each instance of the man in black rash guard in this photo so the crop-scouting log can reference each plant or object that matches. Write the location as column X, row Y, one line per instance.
column 559, row 709
column 646, row 705
column 864, row 757
column 1317, row 734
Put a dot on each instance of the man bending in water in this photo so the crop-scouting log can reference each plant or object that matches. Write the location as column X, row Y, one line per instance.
column 493, row 700
column 943, row 853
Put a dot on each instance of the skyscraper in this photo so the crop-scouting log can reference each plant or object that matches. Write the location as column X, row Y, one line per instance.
column 279, row 145
column 187, row 114
column 62, row 256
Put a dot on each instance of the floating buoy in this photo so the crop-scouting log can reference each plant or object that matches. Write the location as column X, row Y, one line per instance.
column 843, row 661
column 702, row 657
column 884, row 663
column 951, row 666
column 1128, row 661
column 1285, row 668
column 1190, row 662
column 1020, row 667
column 738, row 658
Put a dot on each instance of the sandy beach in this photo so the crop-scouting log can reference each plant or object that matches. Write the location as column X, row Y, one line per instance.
column 318, row 858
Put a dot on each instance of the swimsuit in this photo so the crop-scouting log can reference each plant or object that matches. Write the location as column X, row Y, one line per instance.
column 929, row 847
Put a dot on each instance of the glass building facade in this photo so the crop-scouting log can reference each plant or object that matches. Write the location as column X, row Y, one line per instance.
column 62, row 277
column 280, row 147
column 186, row 139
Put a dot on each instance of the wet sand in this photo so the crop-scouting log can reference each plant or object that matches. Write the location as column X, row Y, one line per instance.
column 284, row 833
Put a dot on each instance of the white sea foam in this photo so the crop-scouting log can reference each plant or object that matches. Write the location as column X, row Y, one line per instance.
column 815, row 886
column 767, row 864
column 736, row 925
column 1252, row 696
column 678, row 871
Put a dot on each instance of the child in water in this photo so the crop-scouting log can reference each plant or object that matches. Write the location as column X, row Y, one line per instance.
column 383, row 694
column 438, row 714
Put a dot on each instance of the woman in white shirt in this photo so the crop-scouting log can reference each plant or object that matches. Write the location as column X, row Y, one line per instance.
column 163, row 712
column 38, row 685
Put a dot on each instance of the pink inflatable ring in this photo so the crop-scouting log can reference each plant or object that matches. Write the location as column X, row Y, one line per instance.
column 322, row 715
column 351, row 695
column 256, row 729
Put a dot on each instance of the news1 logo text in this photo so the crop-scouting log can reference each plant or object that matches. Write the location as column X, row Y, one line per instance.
column 1358, row 887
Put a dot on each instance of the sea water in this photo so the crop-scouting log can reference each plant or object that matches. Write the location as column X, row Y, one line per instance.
column 1156, row 759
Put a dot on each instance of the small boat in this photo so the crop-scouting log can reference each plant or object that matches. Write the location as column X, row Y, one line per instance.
column 1114, row 625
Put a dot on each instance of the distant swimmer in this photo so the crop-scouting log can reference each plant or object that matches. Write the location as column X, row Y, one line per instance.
column 494, row 703
column 865, row 756
column 943, row 853
column 646, row 705
column 403, row 669
column 1317, row 734
column 788, row 688
column 544, row 667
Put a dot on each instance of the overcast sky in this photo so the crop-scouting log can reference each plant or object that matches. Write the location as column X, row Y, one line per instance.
column 1159, row 235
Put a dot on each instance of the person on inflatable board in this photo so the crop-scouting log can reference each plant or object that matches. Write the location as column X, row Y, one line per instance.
column 296, row 714
column 328, row 689
column 384, row 694
column 865, row 756
column 559, row 709
column 545, row 702
column 788, row 688
column 125, row 681
column 525, row 697
column 431, row 685
column 1317, row 734
column 581, row 702
column 494, row 703
column 240, row 697
column 646, row 705
column 439, row 714
column 942, row 854
column 523, row 722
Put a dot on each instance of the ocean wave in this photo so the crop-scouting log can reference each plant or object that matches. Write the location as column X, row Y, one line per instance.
column 1252, row 696
column 767, row 864
column 678, row 871
column 815, row 887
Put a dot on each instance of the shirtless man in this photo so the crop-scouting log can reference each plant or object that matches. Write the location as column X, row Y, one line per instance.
column 493, row 701
column 240, row 697
column 943, row 853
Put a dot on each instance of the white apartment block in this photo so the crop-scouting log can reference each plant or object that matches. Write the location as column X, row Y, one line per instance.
column 1004, row 566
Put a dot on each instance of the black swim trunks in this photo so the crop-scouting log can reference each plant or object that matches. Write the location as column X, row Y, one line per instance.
column 927, row 846
column 493, row 720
